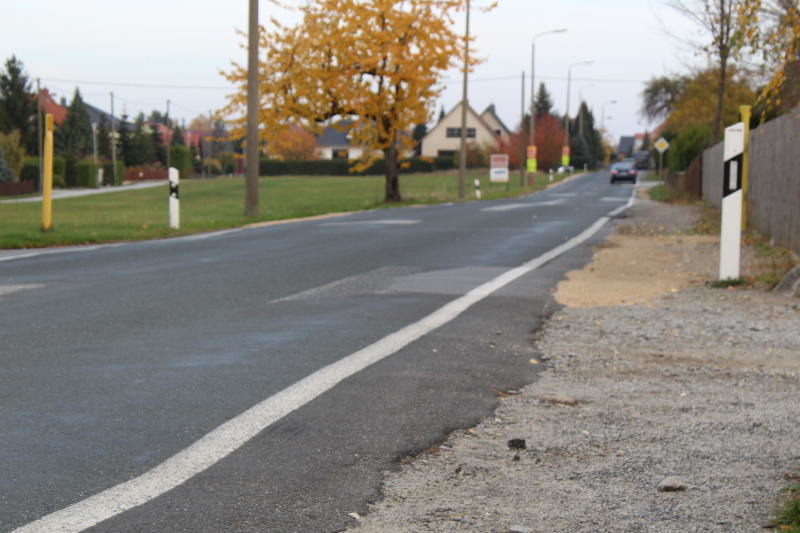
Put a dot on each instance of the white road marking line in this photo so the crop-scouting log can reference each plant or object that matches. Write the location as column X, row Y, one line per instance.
column 613, row 199
column 228, row 437
column 47, row 252
column 10, row 289
column 383, row 222
column 201, row 236
column 508, row 207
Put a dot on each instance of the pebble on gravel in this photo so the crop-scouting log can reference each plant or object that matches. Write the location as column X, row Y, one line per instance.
column 671, row 484
column 560, row 399
column 517, row 444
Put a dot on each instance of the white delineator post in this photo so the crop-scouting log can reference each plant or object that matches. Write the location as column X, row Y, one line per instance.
column 174, row 200
column 731, row 231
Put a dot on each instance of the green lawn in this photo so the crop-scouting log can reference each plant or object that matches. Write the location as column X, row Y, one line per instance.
column 214, row 204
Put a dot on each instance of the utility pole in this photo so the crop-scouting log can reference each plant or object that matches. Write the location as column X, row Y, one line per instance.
column 462, row 153
column 168, row 138
column 565, row 155
column 522, row 149
column 39, row 126
column 113, row 144
column 251, row 186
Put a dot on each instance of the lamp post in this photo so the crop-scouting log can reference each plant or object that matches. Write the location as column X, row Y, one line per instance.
column 462, row 150
column 603, row 114
column 565, row 149
column 532, row 140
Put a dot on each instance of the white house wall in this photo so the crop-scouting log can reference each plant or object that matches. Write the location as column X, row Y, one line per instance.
column 437, row 139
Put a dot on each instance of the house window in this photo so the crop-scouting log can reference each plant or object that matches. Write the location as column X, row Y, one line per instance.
column 446, row 153
column 456, row 132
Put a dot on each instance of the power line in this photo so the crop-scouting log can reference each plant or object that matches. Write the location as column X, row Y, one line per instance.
column 143, row 85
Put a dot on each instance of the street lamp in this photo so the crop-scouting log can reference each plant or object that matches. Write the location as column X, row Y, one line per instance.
column 462, row 151
column 565, row 150
column 532, row 140
column 603, row 113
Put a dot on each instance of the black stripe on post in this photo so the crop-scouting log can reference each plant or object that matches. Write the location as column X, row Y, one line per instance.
column 173, row 190
column 732, row 177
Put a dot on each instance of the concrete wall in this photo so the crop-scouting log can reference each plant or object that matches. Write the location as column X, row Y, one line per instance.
column 773, row 200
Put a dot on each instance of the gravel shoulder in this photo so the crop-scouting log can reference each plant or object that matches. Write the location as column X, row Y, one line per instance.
column 653, row 381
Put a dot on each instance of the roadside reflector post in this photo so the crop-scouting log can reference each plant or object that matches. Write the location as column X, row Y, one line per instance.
column 550, row 176
column 47, row 175
column 174, row 199
column 477, row 188
column 731, row 230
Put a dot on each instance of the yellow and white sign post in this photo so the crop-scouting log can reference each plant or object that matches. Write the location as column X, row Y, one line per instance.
column 47, row 175
column 531, row 159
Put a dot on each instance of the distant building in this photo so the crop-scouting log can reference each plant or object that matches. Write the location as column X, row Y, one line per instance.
column 444, row 139
column 626, row 146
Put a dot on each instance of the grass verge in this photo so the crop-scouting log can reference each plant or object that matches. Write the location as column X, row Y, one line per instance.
column 214, row 204
column 787, row 515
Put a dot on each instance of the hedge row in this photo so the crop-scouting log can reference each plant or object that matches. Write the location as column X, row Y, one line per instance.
column 181, row 158
column 81, row 172
column 30, row 171
column 341, row 167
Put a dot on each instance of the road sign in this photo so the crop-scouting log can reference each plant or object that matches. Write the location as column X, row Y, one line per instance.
column 498, row 168
column 661, row 145
column 531, row 158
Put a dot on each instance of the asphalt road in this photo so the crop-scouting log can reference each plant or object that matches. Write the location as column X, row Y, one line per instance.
column 116, row 358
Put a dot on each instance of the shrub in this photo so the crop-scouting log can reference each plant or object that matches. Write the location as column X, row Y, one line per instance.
column 108, row 173
column 86, row 173
column 30, row 171
column 59, row 172
column 6, row 176
column 227, row 161
column 687, row 145
column 341, row 167
column 69, row 170
column 180, row 157
column 13, row 153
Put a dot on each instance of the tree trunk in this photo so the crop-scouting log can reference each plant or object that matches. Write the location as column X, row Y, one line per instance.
column 392, row 174
column 723, row 75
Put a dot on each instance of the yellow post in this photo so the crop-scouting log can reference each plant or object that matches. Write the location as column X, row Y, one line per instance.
column 47, row 177
column 744, row 111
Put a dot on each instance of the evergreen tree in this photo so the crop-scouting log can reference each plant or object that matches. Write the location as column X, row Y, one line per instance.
column 441, row 114
column 125, row 141
column 177, row 136
column 18, row 104
column 158, row 117
column 103, row 138
column 219, row 137
column 159, row 152
column 141, row 142
column 543, row 102
column 74, row 137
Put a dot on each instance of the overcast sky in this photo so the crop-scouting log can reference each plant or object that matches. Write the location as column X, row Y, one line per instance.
column 180, row 46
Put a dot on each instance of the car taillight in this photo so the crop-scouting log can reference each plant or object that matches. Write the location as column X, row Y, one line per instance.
column 613, row 171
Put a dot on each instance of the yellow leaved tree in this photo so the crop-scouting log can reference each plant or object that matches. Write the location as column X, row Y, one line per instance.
column 773, row 28
column 371, row 66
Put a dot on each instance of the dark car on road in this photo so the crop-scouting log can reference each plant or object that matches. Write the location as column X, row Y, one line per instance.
column 624, row 171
